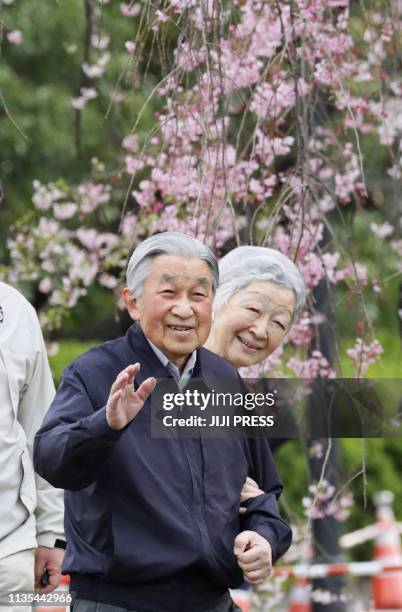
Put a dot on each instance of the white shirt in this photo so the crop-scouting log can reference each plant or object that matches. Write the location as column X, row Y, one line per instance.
column 31, row 510
column 181, row 379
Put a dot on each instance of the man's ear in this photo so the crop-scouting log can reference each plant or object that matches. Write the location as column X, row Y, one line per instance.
column 130, row 303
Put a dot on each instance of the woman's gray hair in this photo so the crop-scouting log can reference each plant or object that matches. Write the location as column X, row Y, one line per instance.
column 246, row 264
column 166, row 243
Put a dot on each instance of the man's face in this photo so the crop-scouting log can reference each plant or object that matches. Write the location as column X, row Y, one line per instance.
column 175, row 307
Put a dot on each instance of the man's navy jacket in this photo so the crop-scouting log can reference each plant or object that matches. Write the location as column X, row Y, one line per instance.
column 150, row 523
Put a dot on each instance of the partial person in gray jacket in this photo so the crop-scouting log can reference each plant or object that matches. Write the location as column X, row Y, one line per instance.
column 31, row 511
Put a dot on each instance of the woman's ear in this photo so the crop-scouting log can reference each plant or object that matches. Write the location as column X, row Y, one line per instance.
column 130, row 303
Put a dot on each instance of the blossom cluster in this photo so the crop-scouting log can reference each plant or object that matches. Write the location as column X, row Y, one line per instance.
column 362, row 355
column 315, row 366
column 63, row 254
column 241, row 150
column 96, row 64
column 323, row 501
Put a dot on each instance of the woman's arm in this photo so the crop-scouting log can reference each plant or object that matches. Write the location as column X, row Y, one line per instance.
column 250, row 489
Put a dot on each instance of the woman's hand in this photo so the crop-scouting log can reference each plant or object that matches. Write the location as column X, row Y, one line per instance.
column 250, row 489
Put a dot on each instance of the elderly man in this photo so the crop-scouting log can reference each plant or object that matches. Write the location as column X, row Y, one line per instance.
column 152, row 525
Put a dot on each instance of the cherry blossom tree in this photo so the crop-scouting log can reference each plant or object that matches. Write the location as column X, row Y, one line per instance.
column 258, row 139
column 265, row 115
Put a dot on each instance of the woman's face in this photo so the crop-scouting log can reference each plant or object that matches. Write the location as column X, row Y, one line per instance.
column 253, row 323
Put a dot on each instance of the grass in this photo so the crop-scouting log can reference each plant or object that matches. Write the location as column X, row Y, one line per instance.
column 69, row 350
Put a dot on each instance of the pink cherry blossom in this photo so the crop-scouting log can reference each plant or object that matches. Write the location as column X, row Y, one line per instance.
column 87, row 93
column 130, row 143
column 362, row 355
column 45, row 195
column 180, row 5
column 130, row 46
column 100, row 41
column 381, row 231
column 271, row 102
column 133, row 165
column 323, row 501
column 316, row 365
column 92, row 195
column 45, row 286
column 64, row 211
column 161, row 16
column 129, row 226
column 15, row 37
column 301, row 332
column 96, row 70
column 338, row 3
column 131, row 9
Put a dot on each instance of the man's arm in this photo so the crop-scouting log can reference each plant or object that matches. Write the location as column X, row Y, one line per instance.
column 35, row 398
column 262, row 513
column 75, row 440
column 267, row 536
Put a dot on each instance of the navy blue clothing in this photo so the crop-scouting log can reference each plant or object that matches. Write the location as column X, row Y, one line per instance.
column 150, row 523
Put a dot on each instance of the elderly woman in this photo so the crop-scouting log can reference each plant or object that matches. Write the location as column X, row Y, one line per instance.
column 260, row 295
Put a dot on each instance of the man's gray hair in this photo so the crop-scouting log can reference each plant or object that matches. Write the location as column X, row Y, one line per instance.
column 246, row 264
column 166, row 243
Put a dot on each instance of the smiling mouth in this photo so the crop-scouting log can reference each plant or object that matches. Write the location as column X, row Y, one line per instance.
column 180, row 328
column 248, row 345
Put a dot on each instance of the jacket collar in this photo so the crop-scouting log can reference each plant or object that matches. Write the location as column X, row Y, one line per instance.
column 140, row 350
column 143, row 354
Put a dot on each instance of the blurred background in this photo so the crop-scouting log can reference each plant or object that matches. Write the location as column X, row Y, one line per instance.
column 276, row 123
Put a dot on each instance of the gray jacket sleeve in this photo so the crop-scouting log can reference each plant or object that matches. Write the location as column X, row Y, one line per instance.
column 35, row 398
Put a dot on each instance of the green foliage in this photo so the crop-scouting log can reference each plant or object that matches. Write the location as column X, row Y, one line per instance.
column 37, row 93
column 39, row 78
column 292, row 464
column 381, row 458
column 68, row 352
column 82, row 322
